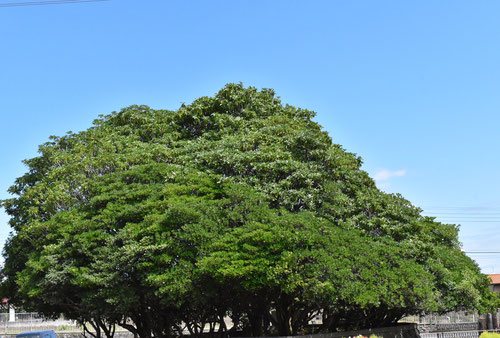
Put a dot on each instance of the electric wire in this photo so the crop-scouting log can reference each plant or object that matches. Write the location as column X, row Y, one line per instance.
column 482, row 252
column 463, row 214
column 466, row 214
column 47, row 2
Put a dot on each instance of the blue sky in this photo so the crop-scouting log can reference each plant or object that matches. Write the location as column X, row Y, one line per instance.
column 412, row 87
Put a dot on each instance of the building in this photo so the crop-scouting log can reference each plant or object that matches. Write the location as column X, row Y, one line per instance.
column 495, row 282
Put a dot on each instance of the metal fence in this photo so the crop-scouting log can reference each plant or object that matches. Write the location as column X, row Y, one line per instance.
column 31, row 321
column 448, row 318
column 434, row 328
column 455, row 334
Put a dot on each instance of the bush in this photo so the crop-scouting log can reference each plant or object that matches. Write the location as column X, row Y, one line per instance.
column 489, row 335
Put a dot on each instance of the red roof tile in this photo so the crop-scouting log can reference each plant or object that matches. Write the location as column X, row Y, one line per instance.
column 495, row 278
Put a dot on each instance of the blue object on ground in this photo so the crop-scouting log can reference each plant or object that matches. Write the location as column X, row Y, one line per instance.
column 37, row 334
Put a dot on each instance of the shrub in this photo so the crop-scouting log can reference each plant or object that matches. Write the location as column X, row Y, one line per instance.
column 489, row 335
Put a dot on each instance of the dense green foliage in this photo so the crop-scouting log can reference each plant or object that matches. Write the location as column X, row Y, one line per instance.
column 234, row 205
column 489, row 335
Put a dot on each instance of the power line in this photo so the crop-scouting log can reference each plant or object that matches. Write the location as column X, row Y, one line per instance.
column 481, row 252
column 447, row 220
column 463, row 213
column 464, row 217
column 466, row 221
column 462, row 207
column 490, row 218
column 47, row 2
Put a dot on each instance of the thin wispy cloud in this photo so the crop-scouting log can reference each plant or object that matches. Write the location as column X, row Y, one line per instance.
column 383, row 178
column 385, row 175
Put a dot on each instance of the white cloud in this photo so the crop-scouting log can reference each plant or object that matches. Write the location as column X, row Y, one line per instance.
column 384, row 174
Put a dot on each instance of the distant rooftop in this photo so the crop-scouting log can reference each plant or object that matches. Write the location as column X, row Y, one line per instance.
column 495, row 278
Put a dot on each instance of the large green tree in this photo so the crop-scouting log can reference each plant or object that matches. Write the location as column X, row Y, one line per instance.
column 235, row 206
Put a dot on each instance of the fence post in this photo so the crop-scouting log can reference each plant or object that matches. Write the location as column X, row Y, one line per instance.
column 12, row 314
column 489, row 321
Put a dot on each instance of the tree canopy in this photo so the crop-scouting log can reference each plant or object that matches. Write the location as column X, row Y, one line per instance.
column 234, row 206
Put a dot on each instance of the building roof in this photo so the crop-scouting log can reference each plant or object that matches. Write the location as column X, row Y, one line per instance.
column 495, row 278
